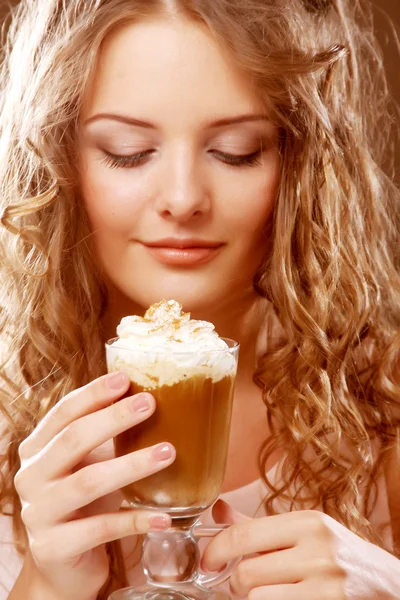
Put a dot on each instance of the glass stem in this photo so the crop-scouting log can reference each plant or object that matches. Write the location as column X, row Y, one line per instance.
column 170, row 557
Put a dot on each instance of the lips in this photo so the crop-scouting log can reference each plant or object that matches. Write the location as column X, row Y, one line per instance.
column 179, row 252
column 182, row 243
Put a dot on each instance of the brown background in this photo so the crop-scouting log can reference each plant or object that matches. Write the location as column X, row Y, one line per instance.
column 384, row 8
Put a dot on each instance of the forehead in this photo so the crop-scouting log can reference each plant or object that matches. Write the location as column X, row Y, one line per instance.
column 170, row 68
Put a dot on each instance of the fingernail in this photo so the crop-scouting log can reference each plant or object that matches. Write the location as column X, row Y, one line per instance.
column 160, row 522
column 141, row 404
column 206, row 570
column 117, row 381
column 162, row 452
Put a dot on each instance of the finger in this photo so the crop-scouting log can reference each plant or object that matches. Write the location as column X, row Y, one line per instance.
column 275, row 568
column 79, row 438
column 223, row 512
column 95, row 481
column 95, row 395
column 289, row 591
column 82, row 535
column 277, row 532
column 318, row 589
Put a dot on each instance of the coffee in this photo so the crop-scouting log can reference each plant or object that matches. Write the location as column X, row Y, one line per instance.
column 194, row 415
column 190, row 371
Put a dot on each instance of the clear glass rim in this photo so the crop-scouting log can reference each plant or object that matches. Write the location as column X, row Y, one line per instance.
column 233, row 348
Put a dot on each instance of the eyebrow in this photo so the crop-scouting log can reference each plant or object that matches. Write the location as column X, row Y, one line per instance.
column 139, row 123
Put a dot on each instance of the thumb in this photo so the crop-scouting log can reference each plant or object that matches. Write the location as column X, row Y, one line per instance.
column 223, row 512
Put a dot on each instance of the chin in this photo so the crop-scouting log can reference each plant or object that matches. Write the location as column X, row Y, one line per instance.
column 197, row 301
column 195, row 304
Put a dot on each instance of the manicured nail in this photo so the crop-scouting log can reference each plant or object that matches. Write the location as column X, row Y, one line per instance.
column 117, row 381
column 162, row 452
column 204, row 568
column 160, row 522
column 141, row 404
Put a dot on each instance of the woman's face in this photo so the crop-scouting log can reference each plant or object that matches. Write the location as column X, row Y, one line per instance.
column 175, row 151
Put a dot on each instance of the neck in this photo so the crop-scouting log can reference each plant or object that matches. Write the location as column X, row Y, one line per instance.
column 241, row 321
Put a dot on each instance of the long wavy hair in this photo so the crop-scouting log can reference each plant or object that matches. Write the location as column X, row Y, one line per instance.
column 331, row 274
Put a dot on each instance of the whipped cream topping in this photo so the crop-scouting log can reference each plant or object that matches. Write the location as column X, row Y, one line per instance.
column 166, row 345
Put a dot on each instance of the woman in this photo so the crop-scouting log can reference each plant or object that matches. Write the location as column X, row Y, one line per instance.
column 258, row 127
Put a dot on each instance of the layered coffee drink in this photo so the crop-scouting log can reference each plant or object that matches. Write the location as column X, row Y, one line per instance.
column 190, row 371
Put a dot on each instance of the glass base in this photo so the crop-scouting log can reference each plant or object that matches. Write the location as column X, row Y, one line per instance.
column 184, row 591
column 178, row 514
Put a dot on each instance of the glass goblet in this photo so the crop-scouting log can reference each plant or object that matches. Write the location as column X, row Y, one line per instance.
column 194, row 395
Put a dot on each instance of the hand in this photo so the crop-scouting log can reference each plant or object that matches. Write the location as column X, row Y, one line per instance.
column 70, row 495
column 304, row 555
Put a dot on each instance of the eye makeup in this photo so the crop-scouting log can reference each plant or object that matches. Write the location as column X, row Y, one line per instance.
column 135, row 160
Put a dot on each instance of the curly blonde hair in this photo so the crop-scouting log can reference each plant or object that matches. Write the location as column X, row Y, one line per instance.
column 332, row 270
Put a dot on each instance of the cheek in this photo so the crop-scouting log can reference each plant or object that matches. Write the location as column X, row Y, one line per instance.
column 251, row 202
column 112, row 200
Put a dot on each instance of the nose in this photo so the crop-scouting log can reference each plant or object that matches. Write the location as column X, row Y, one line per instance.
column 182, row 192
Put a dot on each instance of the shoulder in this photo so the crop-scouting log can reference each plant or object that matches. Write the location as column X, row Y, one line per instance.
column 10, row 560
column 392, row 475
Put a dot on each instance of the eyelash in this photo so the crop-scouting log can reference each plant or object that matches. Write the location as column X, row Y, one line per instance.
column 129, row 162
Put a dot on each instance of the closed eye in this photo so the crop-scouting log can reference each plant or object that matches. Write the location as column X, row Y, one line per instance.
column 135, row 160
column 126, row 162
column 239, row 160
